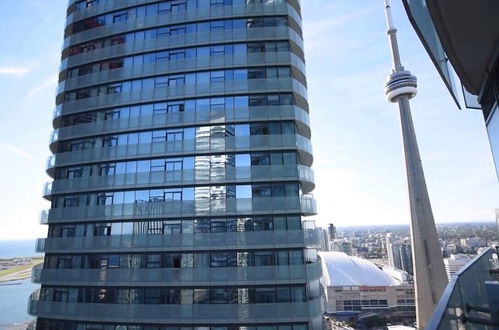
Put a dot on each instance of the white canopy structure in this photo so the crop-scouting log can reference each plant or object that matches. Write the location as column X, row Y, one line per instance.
column 340, row 269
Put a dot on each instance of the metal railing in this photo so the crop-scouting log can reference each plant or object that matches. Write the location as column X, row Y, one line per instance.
column 229, row 174
column 280, row 274
column 176, row 242
column 470, row 299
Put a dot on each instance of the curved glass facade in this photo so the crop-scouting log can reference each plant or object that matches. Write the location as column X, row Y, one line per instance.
column 181, row 171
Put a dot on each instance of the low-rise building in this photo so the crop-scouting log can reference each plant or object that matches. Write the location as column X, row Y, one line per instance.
column 454, row 263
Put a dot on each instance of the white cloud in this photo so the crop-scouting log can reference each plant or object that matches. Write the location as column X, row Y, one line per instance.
column 47, row 83
column 16, row 150
column 15, row 70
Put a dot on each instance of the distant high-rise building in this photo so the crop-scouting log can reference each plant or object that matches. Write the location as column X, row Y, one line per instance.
column 181, row 167
column 332, row 231
column 342, row 245
column 400, row 256
column 497, row 219
column 324, row 239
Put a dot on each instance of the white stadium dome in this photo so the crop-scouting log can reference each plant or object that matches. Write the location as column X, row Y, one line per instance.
column 340, row 269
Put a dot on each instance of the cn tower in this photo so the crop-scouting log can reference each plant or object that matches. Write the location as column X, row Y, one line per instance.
column 430, row 279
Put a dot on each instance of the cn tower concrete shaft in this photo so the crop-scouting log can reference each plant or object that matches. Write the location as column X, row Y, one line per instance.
column 430, row 278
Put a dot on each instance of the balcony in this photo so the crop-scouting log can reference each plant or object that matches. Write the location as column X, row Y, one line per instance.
column 471, row 299
column 176, row 314
column 181, row 66
column 50, row 163
column 180, row 119
column 295, row 274
column 159, row 94
column 180, row 242
column 108, row 6
column 180, row 17
column 188, row 208
column 186, row 40
column 186, row 147
column 47, row 190
column 187, row 177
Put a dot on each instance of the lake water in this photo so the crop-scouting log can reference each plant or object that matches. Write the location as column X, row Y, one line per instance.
column 22, row 248
column 14, row 302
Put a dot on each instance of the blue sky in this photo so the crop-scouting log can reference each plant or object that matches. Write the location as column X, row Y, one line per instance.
column 356, row 134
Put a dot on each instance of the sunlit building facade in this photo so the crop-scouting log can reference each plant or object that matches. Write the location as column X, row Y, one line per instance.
column 181, row 171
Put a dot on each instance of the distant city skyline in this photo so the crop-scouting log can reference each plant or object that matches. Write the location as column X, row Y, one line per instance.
column 356, row 135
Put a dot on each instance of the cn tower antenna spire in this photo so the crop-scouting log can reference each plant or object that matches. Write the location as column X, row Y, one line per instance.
column 430, row 278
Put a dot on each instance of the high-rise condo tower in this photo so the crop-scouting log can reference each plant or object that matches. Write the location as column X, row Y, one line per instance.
column 181, row 171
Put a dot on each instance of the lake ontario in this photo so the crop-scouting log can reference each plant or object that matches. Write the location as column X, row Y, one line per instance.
column 14, row 302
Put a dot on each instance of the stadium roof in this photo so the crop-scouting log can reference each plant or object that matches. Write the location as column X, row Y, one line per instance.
column 341, row 269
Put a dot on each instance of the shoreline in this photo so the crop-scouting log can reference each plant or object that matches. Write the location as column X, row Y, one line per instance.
column 15, row 280
column 21, row 272
column 15, row 326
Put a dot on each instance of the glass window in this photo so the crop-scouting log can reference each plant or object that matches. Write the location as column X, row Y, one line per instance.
column 298, row 294
column 263, row 224
column 202, row 260
column 296, row 257
column 157, row 165
column 187, row 226
column 152, row 296
column 145, row 137
column 153, row 261
column 261, row 191
column 273, row 100
column 201, row 296
column 292, row 189
column 173, row 260
column 265, row 295
column 74, row 172
column 202, row 226
column 131, row 167
column 244, row 224
column 143, row 166
column 260, row 159
column 243, row 191
column 219, row 295
column 217, row 76
column 114, row 261
column 159, row 108
column 282, row 258
column 283, row 295
column 264, row 258
column 289, row 158
column 218, row 226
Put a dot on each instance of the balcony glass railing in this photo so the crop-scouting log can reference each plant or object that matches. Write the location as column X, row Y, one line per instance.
column 47, row 190
column 241, row 35
column 198, row 241
column 229, row 174
column 176, row 17
column 50, row 162
column 180, row 66
column 182, row 91
column 199, row 117
column 470, row 300
column 54, row 136
column 181, row 313
column 191, row 146
column 178, row 276
column 187, row 208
